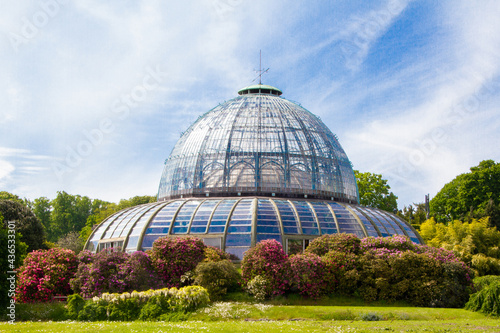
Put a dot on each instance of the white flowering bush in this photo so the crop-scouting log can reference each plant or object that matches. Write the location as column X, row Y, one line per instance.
column 145, row 305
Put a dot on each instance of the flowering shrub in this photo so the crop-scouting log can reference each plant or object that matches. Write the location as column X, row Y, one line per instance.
column 268, row 260
column 338, row 242
column 307, row 274
column 258, row 287
column 113, row 271
column 173, row 257
column 145, row 305
column 396, row 242
column 44, row 274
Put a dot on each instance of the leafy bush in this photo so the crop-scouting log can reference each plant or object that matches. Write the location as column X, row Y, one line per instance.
column 487, row 299
column 173, row 257
column 371, row 316
column 217, row 277
column 340, row 274
column 268, row 260
column 214, row 254
column 307, row 274
column 113, row 271
column 44, row 274
column 93, row 312
column 336, row 242
column 74, row 305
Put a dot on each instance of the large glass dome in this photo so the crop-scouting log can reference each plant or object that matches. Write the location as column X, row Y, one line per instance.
column 259, row 144
column 253, row 168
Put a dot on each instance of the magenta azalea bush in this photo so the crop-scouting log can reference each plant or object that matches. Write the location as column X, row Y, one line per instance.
column 307, row 274
column 267, row 260
column 173, row 257
column 44, row 274
column 113, row 271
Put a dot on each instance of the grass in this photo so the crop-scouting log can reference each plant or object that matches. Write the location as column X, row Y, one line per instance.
column 271, row 317
column 458, row 325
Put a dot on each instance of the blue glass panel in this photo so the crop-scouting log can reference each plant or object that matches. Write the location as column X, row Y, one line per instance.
column 233, row 228
column 147, row 242
column 239, row 252
column 183, row 217
column 325, row 218
column 217, row 229
column 306, row 218
column 238, row 240
column 288, row 218
column 268, row 229
column 132, row 242
column 380, row 226
column 220, row 216
column 261, row 237
column 370, row 229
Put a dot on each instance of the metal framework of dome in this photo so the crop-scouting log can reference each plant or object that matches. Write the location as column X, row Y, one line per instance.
column 255, row 167
column 259, row 144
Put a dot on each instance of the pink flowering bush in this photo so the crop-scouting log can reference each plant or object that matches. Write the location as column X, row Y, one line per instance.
column 307, row 274
column 44, row 274
column 173, row 257
column 338, row 242
column 113, row 271
column 268, row 260
column 396, row 242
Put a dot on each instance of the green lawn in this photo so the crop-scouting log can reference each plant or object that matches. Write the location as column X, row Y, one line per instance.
column 247, row 317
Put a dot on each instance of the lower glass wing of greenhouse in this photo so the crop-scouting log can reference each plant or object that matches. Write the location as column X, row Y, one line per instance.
column 236, row 224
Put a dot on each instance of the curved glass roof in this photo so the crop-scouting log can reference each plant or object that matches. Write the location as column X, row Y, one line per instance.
column 258, row 144
column 236, row 224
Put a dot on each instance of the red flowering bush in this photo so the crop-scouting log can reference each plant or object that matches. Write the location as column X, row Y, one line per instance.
column 44, row 274
column 113, row 271
column 173, row 257
column 268, row 260
column 307, row 274
column 338, row 242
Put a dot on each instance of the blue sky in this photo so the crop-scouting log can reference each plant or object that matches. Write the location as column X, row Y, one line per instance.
column 94, row 95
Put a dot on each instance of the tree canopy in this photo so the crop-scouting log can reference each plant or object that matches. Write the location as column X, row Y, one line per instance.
column 470, row 195
column 374, row 191
column 27, row 224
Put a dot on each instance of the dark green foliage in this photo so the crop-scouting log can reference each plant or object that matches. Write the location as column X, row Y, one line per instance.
column 340, row 274
column 336, row 242
column 69, row 213
column 93, row 312
column 371, row 316
column 74, row 305
column 217, row 277
column 470, row 195
column 487, row 298
column 374, row 191
column 30, row 228
column 155, row 307
column 54, row 311
column 124, row 310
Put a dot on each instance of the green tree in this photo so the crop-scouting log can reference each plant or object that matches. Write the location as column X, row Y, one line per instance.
column 134, row 201
column 470, row 195
column 70, row 213
column 26, row 223
column 42, row 210
column 100, row 211
column 374, row 191
column 415, row 214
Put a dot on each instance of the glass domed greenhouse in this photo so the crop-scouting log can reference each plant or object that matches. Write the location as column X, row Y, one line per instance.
column 256, row 167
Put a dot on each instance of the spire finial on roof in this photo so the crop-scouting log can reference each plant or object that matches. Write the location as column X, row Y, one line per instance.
column 260, row 71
